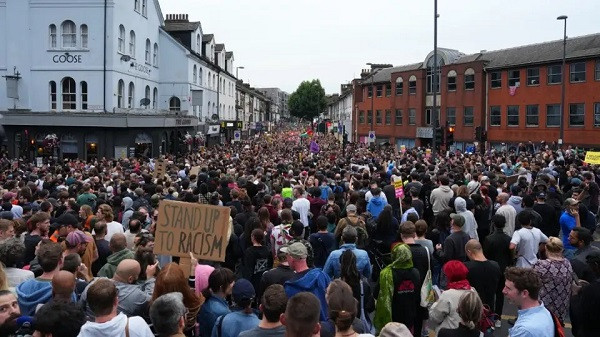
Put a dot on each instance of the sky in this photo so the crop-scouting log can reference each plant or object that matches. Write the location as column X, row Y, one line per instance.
column 281, row 43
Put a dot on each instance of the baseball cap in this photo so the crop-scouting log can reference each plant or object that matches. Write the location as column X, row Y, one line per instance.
column 571, row 202
column 541, row 195
column 351, row 208
column 296, row 250
column 67, row 219
column 459, row 220
column 76, row 237
column 242, row 290
column 297, row 228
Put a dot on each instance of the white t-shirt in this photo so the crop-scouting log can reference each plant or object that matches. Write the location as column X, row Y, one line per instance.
column 528, row 241
column 112, row 228
column 302, row 206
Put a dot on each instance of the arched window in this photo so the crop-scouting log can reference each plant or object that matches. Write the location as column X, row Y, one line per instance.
column 195, row 74
column 147, row 96
column 145, row 7
column 412, row 85
column 155, row 99
column 209, row 80
column 136, row 5
column 131, row 96
column 399, row 86
column 69, row 93
column 148, row 44
column 430, row 78
column 175, row 104
column 121, row 39
column 121, row 94
column 215, row 84
column 132, row 44
column 155, row 57
column 200, row 76
column 69, row 34
column 52, row 95
column 52, row 36
column 198, row 43
column 451, row 79
column 84, row 95
column 84, row 36
column 469, row 79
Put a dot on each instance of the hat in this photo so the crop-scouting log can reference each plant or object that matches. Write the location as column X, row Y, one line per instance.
column 575, row 182
column 541, row 195
column 53, row 202
column 351, row 208
column 242, row 290
column 296, row 250
column 459, row 220
column 76, row 237
column 8, row 195
column 67, row 219
column 571, row 202
column 395, row 329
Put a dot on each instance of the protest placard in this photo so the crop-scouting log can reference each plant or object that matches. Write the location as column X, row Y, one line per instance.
column 194, row 171
column 592, row 158
column 510, row 180
column 184, row 227
column 160, row 168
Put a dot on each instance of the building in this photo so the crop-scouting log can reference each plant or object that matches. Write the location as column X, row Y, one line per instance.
column 339, row 110
column 514, row 94
column 254, row 109
column 279, row 98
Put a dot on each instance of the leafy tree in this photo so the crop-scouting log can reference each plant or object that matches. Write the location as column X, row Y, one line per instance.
column 308, row 101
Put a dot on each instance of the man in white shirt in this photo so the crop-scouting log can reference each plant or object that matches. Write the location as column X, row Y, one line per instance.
column 301, row 205
column 527, row 240
column 509, row 213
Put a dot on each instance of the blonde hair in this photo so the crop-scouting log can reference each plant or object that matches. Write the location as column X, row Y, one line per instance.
column 554, row 246
column 3, row 279
column 470, row 309
column 107, row 212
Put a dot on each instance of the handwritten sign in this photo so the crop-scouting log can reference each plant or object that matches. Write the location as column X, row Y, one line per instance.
column 194, row 171
column 427, row 153
column 592, row 158
column 160, row 168
column 510, row 180
column 186, row 227
column 399, row 188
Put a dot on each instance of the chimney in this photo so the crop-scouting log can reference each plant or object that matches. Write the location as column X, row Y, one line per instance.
column 178, row 17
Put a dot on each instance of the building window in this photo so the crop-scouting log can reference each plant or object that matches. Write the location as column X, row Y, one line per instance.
column 512, row 115
column 378, row 116
column 576, row 114
column 121, row 94
column 175, row 104
column 577, row 72
column 84, row 36
column 200, row 78
column 84, row 95
column 131, row 96
column 379, row 90
column 388, row 90
column 596, row 114
column 399, row 85
column 52, row 95
column 369, row 117
column 553, row 115
column 469, row 79
column 121, row 39
column 388, row 116
column 496, row 79
column 195, row 74
column 468, row 116
column 532, row 115
column 412, row 116
column 361, row 117
column 136, row 5
column 132, row 44
column 451, row 115
column 597, row 76
column 69, row 34
column 69, row 94
column 429, row 117
column 155, row 56
column 52, row 32
column 145, row 7
column 429, row 79
column 198, row 44
column 514, row 78
column 451, row 80
column 370, row 91
column 554, row 74
column 495, row 116
column 147, row 58
column 155, row 99
column 214, row 81
column 533, row 76
column 398, row 117
column 147, row 95
column 412, row 85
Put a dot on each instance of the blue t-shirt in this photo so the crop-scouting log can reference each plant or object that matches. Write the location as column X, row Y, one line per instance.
column 567, row 223
column 235, row 323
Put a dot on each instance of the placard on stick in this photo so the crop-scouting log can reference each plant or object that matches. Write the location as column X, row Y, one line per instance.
column 160, row 168
column 194, row 171
column 184, row 227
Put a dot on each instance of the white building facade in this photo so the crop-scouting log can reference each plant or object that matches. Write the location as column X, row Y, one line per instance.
column 339, row 110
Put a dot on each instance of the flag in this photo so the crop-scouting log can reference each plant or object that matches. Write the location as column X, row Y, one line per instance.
column 512, row 90
column 314, row 147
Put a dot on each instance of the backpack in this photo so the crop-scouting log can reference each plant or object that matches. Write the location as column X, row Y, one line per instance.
column 324, row 192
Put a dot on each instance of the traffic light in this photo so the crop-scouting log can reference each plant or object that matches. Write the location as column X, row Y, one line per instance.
column 449, row 136
column 438, row 135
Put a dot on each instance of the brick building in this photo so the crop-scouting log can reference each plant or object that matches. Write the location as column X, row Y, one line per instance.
column 514, row 93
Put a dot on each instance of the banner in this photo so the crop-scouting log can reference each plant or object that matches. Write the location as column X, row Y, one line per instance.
column 184, row 227
column 592, row 158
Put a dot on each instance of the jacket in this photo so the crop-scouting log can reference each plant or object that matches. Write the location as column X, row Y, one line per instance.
column 470, row 226
column 440, row 197
column 128, row 211
column 516, row 202
column 363, row 264
column 31, row 293
column 376, row 205
column 213, row 308
column 314, row 281
column 116, row 328
column 443, row 313
column 113, row 260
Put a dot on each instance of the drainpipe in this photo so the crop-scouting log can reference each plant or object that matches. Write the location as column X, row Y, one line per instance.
column 487, row 96
column 104, row 65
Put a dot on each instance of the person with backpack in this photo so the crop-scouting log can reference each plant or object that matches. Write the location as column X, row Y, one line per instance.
column 322, row 242
column 233, row 323
column 363, row 263
column 352, row 219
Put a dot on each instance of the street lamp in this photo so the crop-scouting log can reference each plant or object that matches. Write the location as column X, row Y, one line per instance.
column 372, row 95
column 564, row 82
column 236, row 71
column 435, row 81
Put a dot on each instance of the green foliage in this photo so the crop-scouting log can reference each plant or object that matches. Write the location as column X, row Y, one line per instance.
column 308, row 101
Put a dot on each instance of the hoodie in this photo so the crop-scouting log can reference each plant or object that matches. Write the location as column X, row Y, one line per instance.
column 116, row 328
column 314, row 281
column 376, row 205
column 470, row 227
column 440, row 197
column 128, row 211
column 113, row 260
column 516, row 202
column 31, row 293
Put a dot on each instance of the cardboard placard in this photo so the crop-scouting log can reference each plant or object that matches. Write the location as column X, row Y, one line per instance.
column 184, row 227
column 194, row 171
column 160, row 168
column 592, row 158
column 510, row 180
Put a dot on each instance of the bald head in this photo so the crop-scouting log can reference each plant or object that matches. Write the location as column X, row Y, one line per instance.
column 474, row 251
column 118, row 242
column 503, row 197
column 63, row 285
column 127, row 271
column 473, row 245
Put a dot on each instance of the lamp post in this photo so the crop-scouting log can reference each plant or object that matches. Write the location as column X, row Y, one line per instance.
column 372, row 95
column 563, row 109
column 435, row 121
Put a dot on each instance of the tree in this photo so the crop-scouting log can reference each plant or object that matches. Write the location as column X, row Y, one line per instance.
column 308, row 101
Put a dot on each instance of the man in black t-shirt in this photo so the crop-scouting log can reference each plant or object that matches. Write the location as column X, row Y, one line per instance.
column 484, row 274
column 497, row 248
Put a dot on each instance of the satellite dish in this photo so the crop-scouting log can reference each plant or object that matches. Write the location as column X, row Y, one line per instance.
column 145, row 101
column 215, row 117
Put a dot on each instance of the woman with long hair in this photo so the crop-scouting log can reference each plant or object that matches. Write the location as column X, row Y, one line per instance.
column 265, row 219
column 470, row 309
column 387, row 228
column 341, row 307
column 220, row 285
column 359, row 285
column 87, row 216
column 443, row 313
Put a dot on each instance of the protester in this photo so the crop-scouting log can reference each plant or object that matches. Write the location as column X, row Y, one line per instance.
column 57, row 318
column 527, row 241
column 244, row 319
column 301, row 317
column 470, row 310
column 342, row 310
column 220, row 285
column 9, row 312
column 484, row 275
column 272, row 306
column 349, row 237
column 444, row 312
column 118, row 247
column 12, row 253
column 167, row 314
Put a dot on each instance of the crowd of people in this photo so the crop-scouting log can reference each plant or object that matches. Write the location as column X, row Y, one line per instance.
column 322, row 243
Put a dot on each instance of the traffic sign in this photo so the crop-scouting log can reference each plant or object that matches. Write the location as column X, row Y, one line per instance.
column 371, row 136
column 237, row 135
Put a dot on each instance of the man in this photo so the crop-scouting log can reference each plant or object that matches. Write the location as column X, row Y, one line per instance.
column 407, row 205
column 128, row 210
column 440, row 197
column 549, row 224
column 135, row 227
column 301, row 317
column 569, row 220
column 515, row 200
column 306, row 279
column 581, row 238
column 371, row 192
column 39, row 290
column 272, row 306
column 301, row 205
column 522, row 287
column 528, row 203
column 233, row 323
column 118, row 247
column 484, row 274
column 7, row 229
column 497, row 248
column 87, row 197
column 509, row 213
column 90, row 253
column 526, row 241
column 103, row 301
column 12, row 254
column 297, row 232
column 277, row 275
column 57, row 318
column 593, row 190
column 76, row 243
column 377, row 203
column 9, row 312
column 103, row 246
column 363, row 264
column 167, row 314
column 454, row 245
column 352, row 219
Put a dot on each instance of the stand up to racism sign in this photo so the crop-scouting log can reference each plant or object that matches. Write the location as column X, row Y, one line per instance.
column 184, row 227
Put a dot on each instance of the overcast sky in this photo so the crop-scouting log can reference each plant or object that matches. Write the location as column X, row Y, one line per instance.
column 283, row 42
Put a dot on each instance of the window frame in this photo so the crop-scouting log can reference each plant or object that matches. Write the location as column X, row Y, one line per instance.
column 582, row 115
column 496, row 83
column 510, row 116
column 175, row 103
column 131, row 96
column 466, row 110
column 597, row 70
column 121, row 40
column 451, row 115
column 84, row 36
column 147, row 54
column 195, row 74
column 145, row 8
column 469, row 80
column 378, row 117
column 121, row 94
column 529, row 114
column 369, row 91
column 155, row 55
column 132, row 44
column 388, row 89
column 553, row 116
column 495, row 113
column 84, row 95
column 53, row 36
column 398, row 117
column 551, row 75
column 400, row 86
column 64, row 35
column 361, row 117
column 53, row 96
column 388, row 117
column 531, row 77
column 573, row 73
column 155, row 98
column 596, row 114
column 379, row 90
column 513, row 80
column 369, row 117
column 412, row 116
column 451, row 81
column 69, row 97
column 136, row 5
column 412, row 85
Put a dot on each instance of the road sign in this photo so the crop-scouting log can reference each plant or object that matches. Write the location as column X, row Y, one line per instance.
column 371, row 136
column 237, row 135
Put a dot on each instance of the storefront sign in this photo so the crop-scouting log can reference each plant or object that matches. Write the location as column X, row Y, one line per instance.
column 424, row 132
column 66, row 58
column 141, row 68
column 183, row 121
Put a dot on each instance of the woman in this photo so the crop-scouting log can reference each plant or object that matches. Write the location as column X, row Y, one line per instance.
column 470, row 310
column 386, row 229
column 86, row 215
column 361, row 290
column 220, row 285
column 443, row 313
column 399, row 296
column 556, row 275
column 265, row 218
column 280, row 235
column 341, row 311
column 172, row 279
